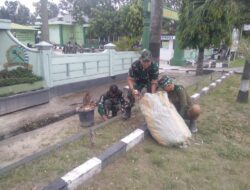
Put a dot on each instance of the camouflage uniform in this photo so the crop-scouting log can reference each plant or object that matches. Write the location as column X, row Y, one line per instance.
column 181, row 100
column 142, row 77
column 110, row 103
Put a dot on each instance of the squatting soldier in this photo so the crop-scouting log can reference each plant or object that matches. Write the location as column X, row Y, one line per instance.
column 112, row 101
column 143, row 73
column 178, row 95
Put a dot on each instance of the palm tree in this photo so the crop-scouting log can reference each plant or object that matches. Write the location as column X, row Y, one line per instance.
column 155, row 30
column 44, row 15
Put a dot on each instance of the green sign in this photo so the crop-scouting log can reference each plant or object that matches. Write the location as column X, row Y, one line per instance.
column 170, row 14
column 167, row 12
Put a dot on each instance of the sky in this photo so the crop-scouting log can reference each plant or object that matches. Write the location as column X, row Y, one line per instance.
column 28, row 3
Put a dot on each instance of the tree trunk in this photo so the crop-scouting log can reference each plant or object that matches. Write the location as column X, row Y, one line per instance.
column 199, row 68
column 44, row 15
column 155, row 29
column 244, row 86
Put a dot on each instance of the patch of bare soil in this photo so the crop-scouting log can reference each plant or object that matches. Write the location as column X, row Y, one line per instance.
column 26, row 144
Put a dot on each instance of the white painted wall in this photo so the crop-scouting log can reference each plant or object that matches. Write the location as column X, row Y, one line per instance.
column 70, row 68
column 167, row 52
column 54, row 34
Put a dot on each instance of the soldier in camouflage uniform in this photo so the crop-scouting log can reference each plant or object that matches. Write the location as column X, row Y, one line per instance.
column 143, row 73
column 178, row 95
column 112, row 101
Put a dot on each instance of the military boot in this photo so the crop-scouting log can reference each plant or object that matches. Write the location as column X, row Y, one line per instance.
column 192, row 126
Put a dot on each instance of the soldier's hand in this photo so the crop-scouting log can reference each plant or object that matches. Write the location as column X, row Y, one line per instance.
column 135, row 92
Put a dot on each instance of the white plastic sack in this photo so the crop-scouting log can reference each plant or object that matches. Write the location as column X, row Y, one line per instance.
column 164, row 123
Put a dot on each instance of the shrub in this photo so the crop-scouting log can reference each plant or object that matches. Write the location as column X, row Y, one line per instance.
column 127, row 44
column 17, row 76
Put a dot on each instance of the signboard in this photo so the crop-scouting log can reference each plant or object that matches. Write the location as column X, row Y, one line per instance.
column 167, row 37
column 167, row 12
column 246, row 27
column 170, row 14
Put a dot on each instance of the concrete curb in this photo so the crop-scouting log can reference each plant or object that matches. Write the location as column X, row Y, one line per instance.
column 57, row 146
column 93, row 166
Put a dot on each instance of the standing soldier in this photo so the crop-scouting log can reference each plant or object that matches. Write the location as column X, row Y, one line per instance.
column 178, row 95
column 112, row 101
column 143, row 73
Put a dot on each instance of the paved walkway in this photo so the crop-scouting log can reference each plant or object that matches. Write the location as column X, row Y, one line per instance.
column 57, row 106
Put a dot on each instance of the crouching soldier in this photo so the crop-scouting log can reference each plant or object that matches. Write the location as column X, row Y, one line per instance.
column 112, row 101
column 178, row 95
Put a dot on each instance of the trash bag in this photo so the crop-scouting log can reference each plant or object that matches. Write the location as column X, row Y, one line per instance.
column 164, row 122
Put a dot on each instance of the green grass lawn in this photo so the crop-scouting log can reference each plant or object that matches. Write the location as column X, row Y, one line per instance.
column 217, row 159
column 237, row 63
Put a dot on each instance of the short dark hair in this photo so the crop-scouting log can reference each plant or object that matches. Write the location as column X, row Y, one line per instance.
column 113, row 88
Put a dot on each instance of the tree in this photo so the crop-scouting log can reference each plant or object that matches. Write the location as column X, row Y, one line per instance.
column 11, row 8
column 52, row 9
column 243, row 16
column 83, row 8
column 16, row 12
column 66, row 5
column 131, row 17
column 102, row 25
column 155, row 30
column 205, row 23
column 23, row 15
column 44, row 15
column 4, row 13
column 244, row 49
column 108, row 23
column 173, row 4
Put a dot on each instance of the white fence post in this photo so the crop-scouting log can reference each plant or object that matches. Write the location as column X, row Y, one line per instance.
column 45, row 51
column 111, row 50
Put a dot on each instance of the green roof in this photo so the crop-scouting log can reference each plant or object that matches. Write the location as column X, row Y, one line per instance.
column 15, row 26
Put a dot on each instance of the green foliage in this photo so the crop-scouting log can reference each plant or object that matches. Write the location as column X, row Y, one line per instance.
column 87, row 7
column 244, row 47
column 173, row 4
column 127, row 43
column 132, row 19
column 17, row 76
column 243, row 15
column 104, row 22
column 205, row 23
column 110, row 19
column 16, row 12
column 169, row 26
column 237, row 63
column 53, row 10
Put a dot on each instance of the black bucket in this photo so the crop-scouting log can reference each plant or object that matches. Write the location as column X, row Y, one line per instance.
column 86, row 118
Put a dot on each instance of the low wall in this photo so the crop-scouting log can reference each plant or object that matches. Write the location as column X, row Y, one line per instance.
column 80, row 86
column 20, row 101
column 74, row 68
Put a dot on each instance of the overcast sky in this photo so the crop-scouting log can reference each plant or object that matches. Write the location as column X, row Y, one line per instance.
column 28, row 3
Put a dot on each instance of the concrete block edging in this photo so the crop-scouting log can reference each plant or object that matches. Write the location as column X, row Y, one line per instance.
column 93, row 166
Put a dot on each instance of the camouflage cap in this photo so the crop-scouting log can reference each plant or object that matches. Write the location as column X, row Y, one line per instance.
column 146, row 55
column 165, row 80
